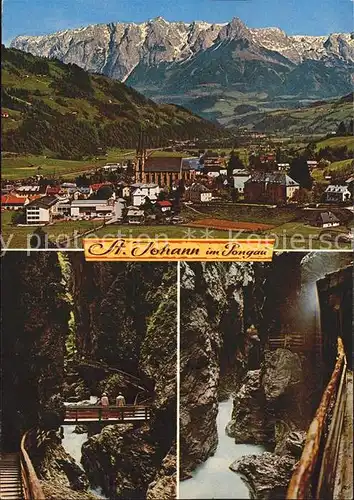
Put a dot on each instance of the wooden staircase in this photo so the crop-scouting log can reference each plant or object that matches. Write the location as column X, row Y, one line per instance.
column 10, row 477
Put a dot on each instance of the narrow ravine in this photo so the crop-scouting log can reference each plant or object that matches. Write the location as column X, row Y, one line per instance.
column 213, row 478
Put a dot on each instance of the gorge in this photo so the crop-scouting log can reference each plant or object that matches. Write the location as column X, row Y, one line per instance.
column 59, row 313
column 240, row 341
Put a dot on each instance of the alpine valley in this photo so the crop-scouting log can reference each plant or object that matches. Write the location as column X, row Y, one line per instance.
column 226, row 72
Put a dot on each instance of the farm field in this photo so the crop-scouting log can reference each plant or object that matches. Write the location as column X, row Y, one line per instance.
column 287, row 236
column 21, row 167
column 15, row 167
column 222, row 224
column 336, row 142
column 258, row 214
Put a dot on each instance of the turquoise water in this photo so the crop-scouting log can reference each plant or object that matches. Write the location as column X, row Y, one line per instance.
column 213, row 478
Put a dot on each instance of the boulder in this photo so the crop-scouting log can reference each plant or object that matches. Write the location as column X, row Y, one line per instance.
column 249, row 423
column 122, row 460
column 267, row 475
column 282, row 372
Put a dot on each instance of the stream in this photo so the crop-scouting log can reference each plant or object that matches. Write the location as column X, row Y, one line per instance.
column 72, row 443
column 213, row 478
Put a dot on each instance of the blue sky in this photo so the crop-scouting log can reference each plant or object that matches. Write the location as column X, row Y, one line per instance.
column 311, row 17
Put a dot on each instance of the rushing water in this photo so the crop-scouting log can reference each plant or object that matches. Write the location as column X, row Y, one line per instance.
column 72, row 443
column 214, row 479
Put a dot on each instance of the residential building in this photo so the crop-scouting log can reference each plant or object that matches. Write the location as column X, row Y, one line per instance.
column 52, row 190
column 29, row 190
column 82, row 209
column 240, row 176
column 135, row 215
column 285, row 167
column 119, row 207
column 325, row 219
column 11, row 202
column 142, row 191
column 337, row 194
column 198, row 193
column 312, row 164
column 95, row 187
column 64, row 207
column 164, row 205
column 42, row 210
column 276, row 187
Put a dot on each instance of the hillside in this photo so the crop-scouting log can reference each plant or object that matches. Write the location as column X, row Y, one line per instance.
column 59, row 109
column 321, row 117
column 209, row 68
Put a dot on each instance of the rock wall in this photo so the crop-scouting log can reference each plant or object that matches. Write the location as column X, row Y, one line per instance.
column 34, row 328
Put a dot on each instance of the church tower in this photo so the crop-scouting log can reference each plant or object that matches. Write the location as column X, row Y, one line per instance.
column 140, row 159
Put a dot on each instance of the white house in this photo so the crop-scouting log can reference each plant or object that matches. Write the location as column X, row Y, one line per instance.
column 312, row 164
column 41, row 211
column 82, row 209
column 240, row 176
column 119, row 206
column 283, row 166
column 135, row 215
column 337, row 194
column 145, row 190
column 64, row 206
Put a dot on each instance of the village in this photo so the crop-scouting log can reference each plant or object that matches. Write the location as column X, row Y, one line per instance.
column 170, row 189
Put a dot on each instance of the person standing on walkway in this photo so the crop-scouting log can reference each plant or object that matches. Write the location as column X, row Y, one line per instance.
column 104, row 404
column 120, row 400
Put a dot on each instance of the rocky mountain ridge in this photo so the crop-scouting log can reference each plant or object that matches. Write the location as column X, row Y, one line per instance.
column 115, row 49
column 208, row 68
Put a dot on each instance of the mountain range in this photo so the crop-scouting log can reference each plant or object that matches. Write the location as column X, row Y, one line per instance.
column 212, row 69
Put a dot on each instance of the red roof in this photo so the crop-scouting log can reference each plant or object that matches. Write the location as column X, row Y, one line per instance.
column 164, row 203
column 96, row 187
column 9, row 199
column 52, row 190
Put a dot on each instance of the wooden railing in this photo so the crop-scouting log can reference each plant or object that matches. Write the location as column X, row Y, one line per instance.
column 127, row 413
column 315, row 472
column 32, row 489
column 296, row 342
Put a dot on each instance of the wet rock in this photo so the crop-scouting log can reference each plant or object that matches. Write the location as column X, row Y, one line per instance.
column 164, row 485
column 282, row 371
column 81, row 429
column 53, row 463
column 54, row 490
column 267, row 475
column 289, row 440
column 249, row 422
column 123, row 460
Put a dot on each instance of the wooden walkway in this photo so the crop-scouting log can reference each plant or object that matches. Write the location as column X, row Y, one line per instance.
column 10, row 477
column 111, row 414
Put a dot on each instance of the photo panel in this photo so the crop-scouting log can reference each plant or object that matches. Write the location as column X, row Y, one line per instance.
column 265, row 372
column 89, row 371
